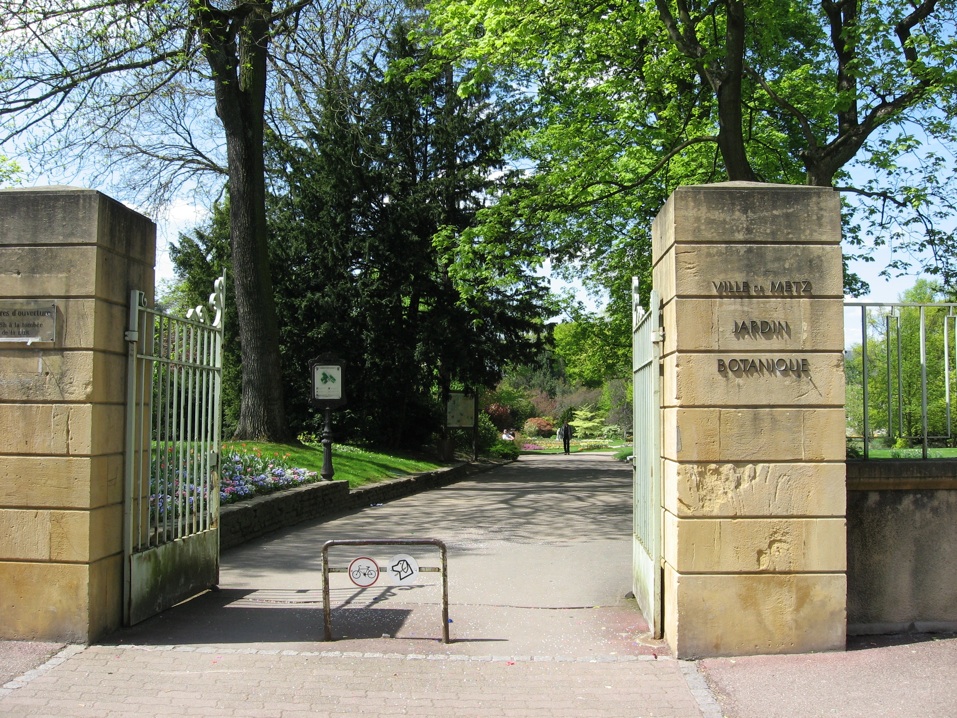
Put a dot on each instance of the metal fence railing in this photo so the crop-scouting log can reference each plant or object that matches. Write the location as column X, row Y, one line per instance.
column 900, row 374
column 171, row 472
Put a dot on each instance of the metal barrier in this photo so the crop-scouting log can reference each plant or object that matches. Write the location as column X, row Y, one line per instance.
column 899, row 369
column 326, row 570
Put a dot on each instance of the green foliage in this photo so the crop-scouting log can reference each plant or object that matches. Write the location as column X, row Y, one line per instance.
column 591, row 350
column 894, row 373
column 354, row 464
column 10, row 171
column 366, row 223
column 504, row 450
column 612, row 432
column 624, row 453
column 500, row 415
column 508, row 406
column 363, row 220
column 488, row 434
column 616, row 400
column 587, row 423
column 635, row 99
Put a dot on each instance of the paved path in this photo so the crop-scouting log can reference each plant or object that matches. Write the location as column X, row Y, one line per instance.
column 539, row 569
column 539, row 565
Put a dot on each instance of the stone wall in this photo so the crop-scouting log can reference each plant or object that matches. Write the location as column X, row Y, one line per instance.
column 62, row 405
column 901, row 546
column 248, row 520
column 752, row 397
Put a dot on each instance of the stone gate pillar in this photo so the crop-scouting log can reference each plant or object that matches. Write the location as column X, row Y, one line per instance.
column 753, row 423
column 68, row 260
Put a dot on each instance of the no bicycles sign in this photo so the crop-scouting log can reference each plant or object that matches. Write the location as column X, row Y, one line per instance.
column 363, row 571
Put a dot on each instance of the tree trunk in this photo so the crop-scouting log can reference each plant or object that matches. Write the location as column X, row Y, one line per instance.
column 728, row 90
column 237, row 56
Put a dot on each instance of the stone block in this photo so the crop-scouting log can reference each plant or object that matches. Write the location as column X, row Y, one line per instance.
column 34, row 428
column 663, row 235
column 89, row 323
column 758, row 271
column 755, row 213
column 812, row 435
column 24, row 535
column 56, row 376
column 753, row 435
column 691, row 434
column 75, row 536
column 754, row 325
column 26, row 272
column 44, row 601
column 765, row 379
column 110, row 267
column 107, row 429
column 44, row 481
column 106, row 597
column 754, row 489
column 902, row 553
column 60, row 481
column 753, row 614
column 74, row 215
column 755, row 545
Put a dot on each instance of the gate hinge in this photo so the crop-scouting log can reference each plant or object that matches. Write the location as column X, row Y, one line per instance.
column 132, row 336
column 657, row 336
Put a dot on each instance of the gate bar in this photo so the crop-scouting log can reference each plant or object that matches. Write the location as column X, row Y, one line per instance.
column 327, row 609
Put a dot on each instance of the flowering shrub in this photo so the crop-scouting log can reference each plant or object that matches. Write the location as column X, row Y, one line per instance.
column 538, row 426
column 531, row 447
column 246, row 473
column 500, row 415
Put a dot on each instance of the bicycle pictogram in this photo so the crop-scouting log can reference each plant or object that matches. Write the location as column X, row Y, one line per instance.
column 364, row 571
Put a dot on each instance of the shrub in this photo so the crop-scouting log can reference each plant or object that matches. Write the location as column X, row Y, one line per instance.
column 538, row 426
column 516, row 400
column 612, row 432
column 500, row 415
column 587, row 423
column 504, row 450
column 488, row 434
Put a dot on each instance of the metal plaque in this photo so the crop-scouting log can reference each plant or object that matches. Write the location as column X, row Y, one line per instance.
column 27, row 321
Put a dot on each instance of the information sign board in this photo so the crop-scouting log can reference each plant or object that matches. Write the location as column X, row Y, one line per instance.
column 328, row 388
column 460, row 413
column 27, row 321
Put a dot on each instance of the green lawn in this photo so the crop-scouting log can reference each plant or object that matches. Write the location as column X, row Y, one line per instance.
column 554, row 446
column 358, row 466
column 913, row 453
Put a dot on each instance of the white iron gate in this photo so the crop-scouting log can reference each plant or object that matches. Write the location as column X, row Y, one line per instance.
column 173, row 426
column 646, row 459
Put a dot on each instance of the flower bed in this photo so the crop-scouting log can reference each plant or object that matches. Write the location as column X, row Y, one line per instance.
column 246, row 473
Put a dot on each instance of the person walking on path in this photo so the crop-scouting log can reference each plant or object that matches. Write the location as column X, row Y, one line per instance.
column 565, row 434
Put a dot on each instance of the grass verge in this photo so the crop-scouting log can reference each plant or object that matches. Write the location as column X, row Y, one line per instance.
column 352, row 464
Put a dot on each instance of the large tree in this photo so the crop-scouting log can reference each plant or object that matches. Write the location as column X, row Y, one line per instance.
column 133, row 87
column 365, row 209
column 636, row 98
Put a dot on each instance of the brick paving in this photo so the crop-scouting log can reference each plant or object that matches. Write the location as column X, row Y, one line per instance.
column 127, row 681
column 539, row 568
column 539, row 562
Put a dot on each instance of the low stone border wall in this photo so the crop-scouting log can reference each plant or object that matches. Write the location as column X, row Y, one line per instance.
column 251, row 519
column 901, row 546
